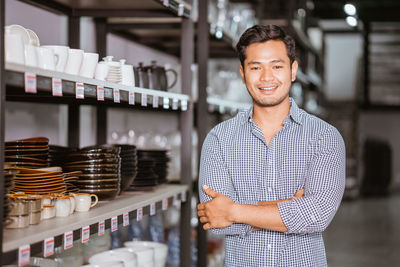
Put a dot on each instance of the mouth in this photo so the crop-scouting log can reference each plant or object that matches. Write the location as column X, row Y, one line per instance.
column 268, row 89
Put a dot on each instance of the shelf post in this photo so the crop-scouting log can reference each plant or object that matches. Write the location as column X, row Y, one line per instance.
column 366, row 32
column 186, row 128
column 202, row 109
column 2, row 123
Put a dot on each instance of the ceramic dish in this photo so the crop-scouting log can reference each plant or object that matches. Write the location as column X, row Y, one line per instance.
column 102, row 194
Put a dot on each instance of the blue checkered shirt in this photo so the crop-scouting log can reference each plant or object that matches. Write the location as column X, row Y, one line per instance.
column 306, row 153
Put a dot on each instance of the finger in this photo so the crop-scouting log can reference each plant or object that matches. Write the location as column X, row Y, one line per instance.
column 299, row 193
column 201, row 213
column 209, row 191
column 203, row 219
column 207, row 226
column 200, row 206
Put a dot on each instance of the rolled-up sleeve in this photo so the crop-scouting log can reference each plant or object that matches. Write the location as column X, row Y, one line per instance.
column 324, row 187
column 213, row 173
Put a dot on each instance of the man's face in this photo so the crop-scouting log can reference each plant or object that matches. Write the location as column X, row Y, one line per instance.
column 267, row 73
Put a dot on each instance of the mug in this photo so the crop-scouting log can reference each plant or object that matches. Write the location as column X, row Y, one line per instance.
column 31, row 56
column 101, row 71
column 89, row 64
column 128, row 77
column 45, row 58
column 14, row 48
column 83, row 201
column 46, row 200
column 72, row 202
column 60, row 54
column 74, row 61
column 63, row 206
column 48, row 211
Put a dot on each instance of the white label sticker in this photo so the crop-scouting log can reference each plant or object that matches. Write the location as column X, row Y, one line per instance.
column 166, row 103
column 131, row 98
column 144, row 100
column 102, row 227
column 56, row 86
column 24, row 255
column 100, row 93
column 139, row 214
column 48, row 247
column 116, row 95
column 183, row 196
column 125, row 217
column 155, row 101
column 79, row 91
column 85, row 234
column 114, row 224
column 152, row 209
column 68, row 240
column 184, row 105
column 175, row 104
column 30, row 83
column 181, row 8
column 165, row 204
column 166, row 3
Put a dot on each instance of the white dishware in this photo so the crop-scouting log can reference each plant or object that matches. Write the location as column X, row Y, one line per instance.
column 45, row 58
column 46, row 200
column 63, row 206
column 83, row 201
column 30, row 56
column 14, row 48
column 74, row 62
column 60, row 54
column 128, row 258
column 160, row 250
column 89, row 64
column 144, row 254
column 127, row 76
column 19, row 30
column 106, row 264
column 42, row 262
column 33, row 38
column 101, row 71
column 72, row 202
column 48, row 211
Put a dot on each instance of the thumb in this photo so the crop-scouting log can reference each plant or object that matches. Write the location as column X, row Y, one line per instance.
column 209, row 191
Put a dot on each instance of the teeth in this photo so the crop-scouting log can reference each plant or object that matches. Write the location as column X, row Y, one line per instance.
column 268, row 88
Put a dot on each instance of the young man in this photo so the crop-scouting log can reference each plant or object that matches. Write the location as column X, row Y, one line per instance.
column 271, row 178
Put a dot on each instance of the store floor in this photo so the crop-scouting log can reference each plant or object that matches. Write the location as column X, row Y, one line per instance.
column 365, row 232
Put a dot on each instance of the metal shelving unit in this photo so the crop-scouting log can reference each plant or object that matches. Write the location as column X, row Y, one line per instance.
column 12, row 89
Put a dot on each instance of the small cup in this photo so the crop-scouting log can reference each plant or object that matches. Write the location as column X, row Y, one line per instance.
column 72, row 201
column 31, row 56
column 83, row 201
column 63, row 206
column 46, row 59
column 14, row 48
column 60, row 54
column 89, row 64
column 46, row 200
column 48, row 211
column 101, row 71
column 74, row 62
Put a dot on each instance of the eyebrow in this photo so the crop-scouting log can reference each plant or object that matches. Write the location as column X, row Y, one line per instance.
column 272, row 61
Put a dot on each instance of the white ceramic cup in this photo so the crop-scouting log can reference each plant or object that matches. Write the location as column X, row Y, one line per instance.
column 14, row 48
column 128, row 258
column 45, row 58
column 33, row 38
column 74, row 62
column 60, row 54
column 144, row 254
column 46, row 200
column 89, row 64
column 48, row 211
column 19, row 30
column 128, row 77
column 72, row 202
column 101, row 71
column 63, row 206
column 83, row 201
column 31, row 56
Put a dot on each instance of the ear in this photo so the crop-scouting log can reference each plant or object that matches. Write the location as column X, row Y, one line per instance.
column 242, row 74
column 295, row 66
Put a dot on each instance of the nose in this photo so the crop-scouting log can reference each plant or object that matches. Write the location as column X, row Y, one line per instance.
column 266, row 75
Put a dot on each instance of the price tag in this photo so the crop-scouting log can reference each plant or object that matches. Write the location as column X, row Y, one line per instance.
column 183, row 196
column 176, row 201
column 166, row 3
column 152, row 209
column 166, row 103
column 79, row 91
column 181, row 8
column 85, row 234
column 131, row 98
column 175, row 104
column 30, row 83
column 48, row 247
column 139, row 214
column 114, row 224
column 165, row 204
column 56, row 86
column 68, row 240
column 155, row 101
column 125, row 217
column 221, row 109
column 144, row 100
column 24, row 255
column 102, row 227
column 100, row 93
column 184, row 105
column 116, row 95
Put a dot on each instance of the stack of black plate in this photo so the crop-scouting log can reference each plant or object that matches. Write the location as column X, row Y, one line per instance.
column 128, row 165
column 100, row 167
column 58, row 154
column 152, row 168
column 27, row 153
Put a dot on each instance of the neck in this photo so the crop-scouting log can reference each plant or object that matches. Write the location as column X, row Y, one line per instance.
column 270, row 116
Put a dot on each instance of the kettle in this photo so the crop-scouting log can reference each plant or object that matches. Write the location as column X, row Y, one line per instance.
column 157, row 76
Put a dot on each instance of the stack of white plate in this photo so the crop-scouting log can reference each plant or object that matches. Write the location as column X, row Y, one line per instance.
column 114, row 72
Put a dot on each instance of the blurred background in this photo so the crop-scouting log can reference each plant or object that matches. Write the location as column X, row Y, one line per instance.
column 349, row 75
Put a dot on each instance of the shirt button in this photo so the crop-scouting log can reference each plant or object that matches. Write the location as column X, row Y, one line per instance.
column 269, row 189
column 269, row 246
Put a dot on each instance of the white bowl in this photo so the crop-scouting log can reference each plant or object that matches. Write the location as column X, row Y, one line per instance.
column 144, row 255
column 20, row 30
column 106, row 264
column 160, row 249
column 129, row 259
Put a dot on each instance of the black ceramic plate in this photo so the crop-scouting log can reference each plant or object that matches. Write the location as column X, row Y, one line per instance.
column 102, row 194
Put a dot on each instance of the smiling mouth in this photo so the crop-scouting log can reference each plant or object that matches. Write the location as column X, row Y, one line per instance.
column 269, row 88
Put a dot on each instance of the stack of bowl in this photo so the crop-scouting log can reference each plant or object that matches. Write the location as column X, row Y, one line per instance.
column 160, row 158
column 57, row 155
column 100, row 167
column 27, row 153
column 146, row 177
column 128, row 165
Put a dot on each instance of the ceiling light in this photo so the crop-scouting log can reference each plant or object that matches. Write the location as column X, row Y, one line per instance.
column 350, row 9
column 352, row 21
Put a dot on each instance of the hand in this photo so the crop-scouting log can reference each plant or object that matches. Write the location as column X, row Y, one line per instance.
column 216, row 213
column 299, row 194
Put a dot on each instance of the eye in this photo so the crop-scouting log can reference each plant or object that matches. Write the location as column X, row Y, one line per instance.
column 277, row 67
column 255, row 68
